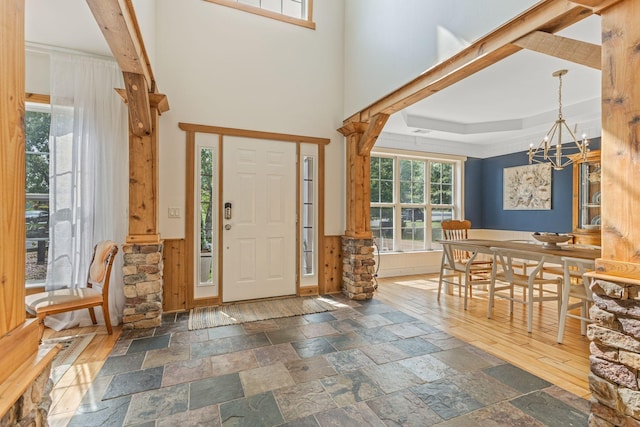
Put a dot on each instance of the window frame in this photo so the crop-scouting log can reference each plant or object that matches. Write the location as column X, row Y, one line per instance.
column 307, row 23
column 457, row 205
column 38, row 103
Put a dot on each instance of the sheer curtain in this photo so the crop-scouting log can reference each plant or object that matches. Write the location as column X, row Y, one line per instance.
column 88, row 176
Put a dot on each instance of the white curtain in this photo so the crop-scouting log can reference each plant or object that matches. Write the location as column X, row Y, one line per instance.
column 88, row 176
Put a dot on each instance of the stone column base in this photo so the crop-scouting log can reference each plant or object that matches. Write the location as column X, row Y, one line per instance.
column 32, row 408
column 358, row 268
column 143, row 281
column 615, row 354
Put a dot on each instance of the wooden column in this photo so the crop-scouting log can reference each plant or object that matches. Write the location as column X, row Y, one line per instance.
column 12, row 165
column 20, row 361
column 357, row 244
column 621, row 140
column 358, row 184
column 143, row 184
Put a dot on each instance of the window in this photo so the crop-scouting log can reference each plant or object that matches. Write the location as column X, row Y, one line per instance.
column 309, row 209
column 308, row 225
column 296, row 12
column 410, row 197
column 37, row 123
column 207, row 207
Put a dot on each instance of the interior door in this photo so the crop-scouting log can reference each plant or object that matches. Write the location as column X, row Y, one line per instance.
column 258, row 219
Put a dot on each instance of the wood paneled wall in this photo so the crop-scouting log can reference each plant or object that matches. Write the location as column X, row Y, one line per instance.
column 174, row 296
column 332, row 265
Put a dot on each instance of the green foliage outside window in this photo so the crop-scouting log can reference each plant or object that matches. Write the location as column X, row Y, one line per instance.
column 37, row 151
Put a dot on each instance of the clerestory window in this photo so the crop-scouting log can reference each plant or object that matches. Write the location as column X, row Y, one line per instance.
column 298, row 12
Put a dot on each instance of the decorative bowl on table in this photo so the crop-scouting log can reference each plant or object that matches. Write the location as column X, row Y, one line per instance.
column 551, row 240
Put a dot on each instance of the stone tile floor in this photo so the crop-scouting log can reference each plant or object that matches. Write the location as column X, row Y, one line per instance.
column 362, row 364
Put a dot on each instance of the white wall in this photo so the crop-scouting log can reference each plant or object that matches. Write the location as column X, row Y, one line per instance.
column 224, row 67
column 390, row 42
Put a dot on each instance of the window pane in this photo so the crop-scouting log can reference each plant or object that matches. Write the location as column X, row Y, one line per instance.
column 386, row 192
column 405, row 170
column 441, row 183
column 382, row 227
column 375, row 191
column 405, row 192
column 437, row 216
column 386, row 169
column 37, row 124
column 412, row 181
column 381, row 180
column 412, row 229
column 206, row 216
column 308, row 220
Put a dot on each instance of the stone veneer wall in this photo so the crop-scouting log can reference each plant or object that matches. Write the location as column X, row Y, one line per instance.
column 32, row 407
column 615, row 354
column 358, row 268
column 142, row 285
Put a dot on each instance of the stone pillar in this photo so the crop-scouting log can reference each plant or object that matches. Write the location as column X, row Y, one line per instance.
column 32, row 408
column 142, row 285
column 615, row 354
column 358, row 268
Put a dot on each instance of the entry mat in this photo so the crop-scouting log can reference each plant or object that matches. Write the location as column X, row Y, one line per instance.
column 243, row 312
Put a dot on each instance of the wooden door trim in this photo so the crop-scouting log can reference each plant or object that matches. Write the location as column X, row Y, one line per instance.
column 191, row 131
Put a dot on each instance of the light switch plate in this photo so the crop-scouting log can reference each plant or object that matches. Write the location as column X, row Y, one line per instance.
column 174, row 212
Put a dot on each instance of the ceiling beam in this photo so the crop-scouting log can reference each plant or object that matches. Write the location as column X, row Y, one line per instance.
column 584, row 53
column 119, row 25
column 596, row 5
column 549, row 16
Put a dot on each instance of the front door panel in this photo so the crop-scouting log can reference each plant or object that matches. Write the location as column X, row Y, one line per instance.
column 259, row 236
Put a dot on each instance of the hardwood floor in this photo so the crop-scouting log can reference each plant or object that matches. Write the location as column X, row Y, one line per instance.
column 565, row 365
column 69, row 391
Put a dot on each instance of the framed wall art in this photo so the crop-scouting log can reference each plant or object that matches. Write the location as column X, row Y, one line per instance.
column 527, row 187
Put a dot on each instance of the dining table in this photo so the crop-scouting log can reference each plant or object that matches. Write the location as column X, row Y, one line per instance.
column 554, row 254
column 557, row 260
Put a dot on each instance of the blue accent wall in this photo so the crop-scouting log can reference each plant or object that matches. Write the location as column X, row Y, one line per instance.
column 483, row 196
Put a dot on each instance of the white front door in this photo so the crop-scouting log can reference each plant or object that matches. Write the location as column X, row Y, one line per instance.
column 259, row 236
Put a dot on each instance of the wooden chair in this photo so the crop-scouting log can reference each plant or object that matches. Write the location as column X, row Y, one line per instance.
column 510, row 276
column 576, row 286
column 464, row 274
column 456, row 229
column 43, row 304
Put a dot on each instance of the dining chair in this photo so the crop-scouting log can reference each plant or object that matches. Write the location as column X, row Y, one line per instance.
column 511, row 277
column 576, row 293
column 464, row 274
column 43, row 304
column 456, row 229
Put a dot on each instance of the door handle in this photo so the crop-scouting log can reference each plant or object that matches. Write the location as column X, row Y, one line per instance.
column 227, row 227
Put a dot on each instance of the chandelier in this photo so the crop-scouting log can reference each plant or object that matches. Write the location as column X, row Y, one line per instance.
column 547, row 151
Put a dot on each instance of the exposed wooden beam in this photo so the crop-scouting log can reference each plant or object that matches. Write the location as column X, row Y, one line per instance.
column 596, row 5
column 577, row 51
column 119, row 26
column 549, row 15
column 370, row 136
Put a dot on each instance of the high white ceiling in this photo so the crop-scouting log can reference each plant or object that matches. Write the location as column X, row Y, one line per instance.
column 499, row 110
column 505, row 107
